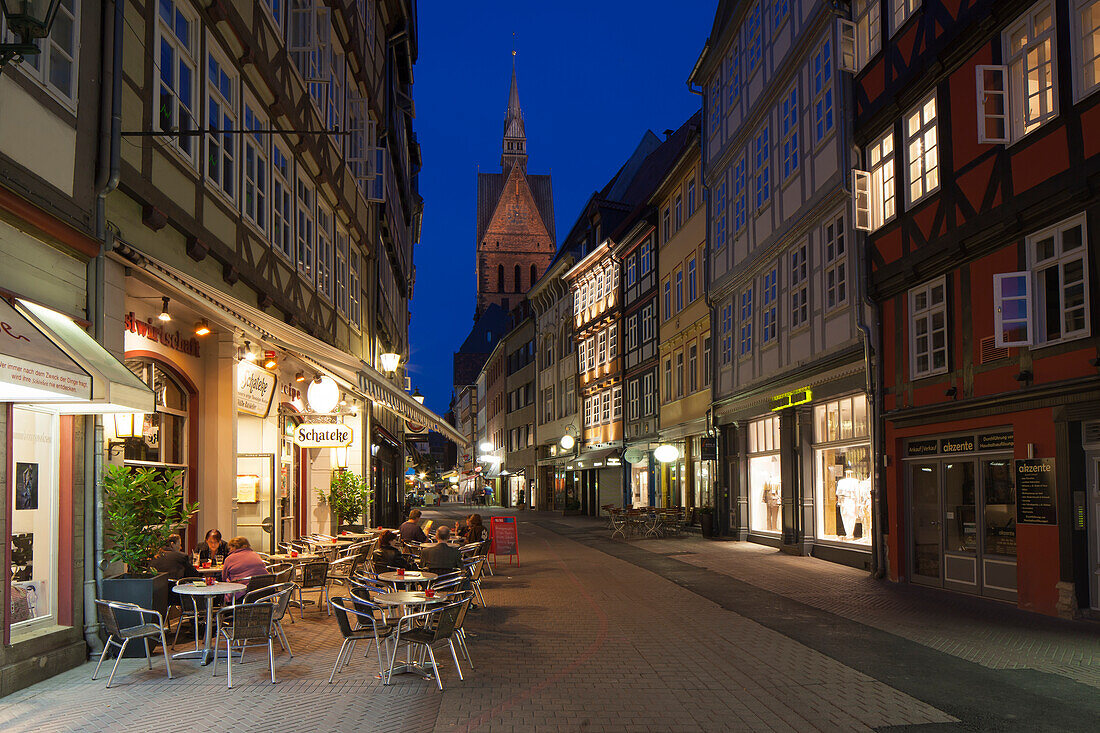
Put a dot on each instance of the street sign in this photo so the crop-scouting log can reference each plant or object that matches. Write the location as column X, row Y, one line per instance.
column 504, row 534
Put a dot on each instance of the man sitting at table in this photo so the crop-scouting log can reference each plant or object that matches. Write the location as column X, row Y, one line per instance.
column 173, row 561
column 441, row 555
column 243, row 563
column 410, row 530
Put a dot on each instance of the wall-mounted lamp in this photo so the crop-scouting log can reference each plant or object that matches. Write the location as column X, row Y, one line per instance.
column 390, row 362
column 246, row 352
column 417, row 396
column 300, row 377
column 27, row 21
column 270, row 362
column 202, row 328
column 164, row 317
column 340, row 457
column 951, row 392
column 128, row 425
column 1024, row 376
column 485, row 447
column 567, row 442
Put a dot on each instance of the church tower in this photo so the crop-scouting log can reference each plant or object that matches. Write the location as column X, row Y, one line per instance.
column 515, row 219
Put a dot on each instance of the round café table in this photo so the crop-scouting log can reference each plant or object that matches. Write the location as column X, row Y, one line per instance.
column 411, row 577
column 210, row 592
column 299, row 558
column 404, row 598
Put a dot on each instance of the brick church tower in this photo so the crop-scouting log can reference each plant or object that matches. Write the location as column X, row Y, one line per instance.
column 515, row 219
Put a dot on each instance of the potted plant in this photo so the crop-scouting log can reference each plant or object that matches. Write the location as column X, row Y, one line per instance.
column 706, row 520
column 347, row 497
column 143, row 507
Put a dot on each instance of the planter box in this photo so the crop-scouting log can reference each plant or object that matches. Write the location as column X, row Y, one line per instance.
column 152, row 593
column 706, row 524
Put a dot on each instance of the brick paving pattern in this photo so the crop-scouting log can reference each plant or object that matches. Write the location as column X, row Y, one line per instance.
column 576, row 639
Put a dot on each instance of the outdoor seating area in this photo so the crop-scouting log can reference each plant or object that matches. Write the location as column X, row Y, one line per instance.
column 646, row 522
column 409, row 616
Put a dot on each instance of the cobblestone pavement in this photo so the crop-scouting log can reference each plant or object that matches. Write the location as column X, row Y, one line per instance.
column 592, row 635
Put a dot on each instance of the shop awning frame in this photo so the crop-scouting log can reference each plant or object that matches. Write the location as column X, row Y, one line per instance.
column 361, row 377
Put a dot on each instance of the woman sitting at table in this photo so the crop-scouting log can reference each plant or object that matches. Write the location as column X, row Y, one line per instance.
column 243, row 563
column 388, row 556
column 474, row 529
column 212, row 547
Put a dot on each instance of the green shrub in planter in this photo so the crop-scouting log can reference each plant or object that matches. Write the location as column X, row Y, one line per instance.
column 144, row 506
column 348, row 495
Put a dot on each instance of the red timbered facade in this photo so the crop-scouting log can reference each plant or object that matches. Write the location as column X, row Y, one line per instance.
column 978, row 123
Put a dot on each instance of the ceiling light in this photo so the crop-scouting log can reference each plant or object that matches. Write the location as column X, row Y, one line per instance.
column 202, row 328
column 270, row 362
column 248, row 354
column 300, row 377
column 164, row 317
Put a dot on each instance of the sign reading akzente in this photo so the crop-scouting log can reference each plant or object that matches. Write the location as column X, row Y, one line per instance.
column 323, row 435
column 1035, row 502
column 255, row 389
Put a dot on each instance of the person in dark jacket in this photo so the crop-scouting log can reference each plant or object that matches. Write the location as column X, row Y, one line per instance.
column 213, row 546
column 173, row 561
column 387, row 556
column 442, row 555
column 410, row 530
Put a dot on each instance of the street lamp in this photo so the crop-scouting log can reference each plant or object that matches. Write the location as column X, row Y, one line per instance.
column 417, row 396
column 28, row 20
column 666, row 453
column 567, row 442
column 390, row 361
column 486, row 447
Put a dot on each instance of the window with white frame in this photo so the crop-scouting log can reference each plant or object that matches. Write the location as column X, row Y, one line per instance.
column 341, row 272
column 613, row 341
column 836, row 263
column 678, row 213
column 691, row 192
column 645, row 261
column 668, row 380
column 762, row 169
column 928, row 329
column 733, row 78
column 648, row 323
column 868, row 30
column 788, row 124
column 616, row 403
column 178, row 84
column 900, row 10
column 632, row 332
column 753, row 42
column 305, row 232
column 334, row 106
column 746, row 323
column 714, row 99
column 601, row 348
column 799, row 289
column 1059, row 262
column 582, row 355
column 221, row 98
column 324, row 251
column 633, row 400
column 255, row 188
column 55, row 63
column 706, row 361
column 605, row 404
column 874, row 191
column 668, row 300
column 720, row 216
column 282, row 202
column 648, row 394
column 727, row 333
column 740, row 196
column 1030, row 53
column 277, row 8
column 631, row 271
column 691, row 280
column 922, row 149
column 354, row 288
column 591, row 410
column 679, row 290
column 769, row 308
column 1087, row 43
column 823, row 91
column 693, row 368
column 679, row 374
column 590, row 352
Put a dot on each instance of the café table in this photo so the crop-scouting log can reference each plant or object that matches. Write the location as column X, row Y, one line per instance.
column 213, row 570
column 299, row 558
column 410, row 577
column 210, row 592
column 404, row 599
column 358, row 536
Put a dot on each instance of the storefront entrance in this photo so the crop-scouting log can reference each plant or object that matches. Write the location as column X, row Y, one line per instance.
column 963, row 523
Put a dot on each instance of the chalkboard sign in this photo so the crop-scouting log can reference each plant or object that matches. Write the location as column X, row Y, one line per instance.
column 1035, row 491
column 504, row 534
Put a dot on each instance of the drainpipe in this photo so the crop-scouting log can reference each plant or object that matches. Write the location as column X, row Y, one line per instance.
column 110, row 113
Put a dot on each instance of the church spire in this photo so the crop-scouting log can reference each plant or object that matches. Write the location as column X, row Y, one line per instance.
column 514, row 145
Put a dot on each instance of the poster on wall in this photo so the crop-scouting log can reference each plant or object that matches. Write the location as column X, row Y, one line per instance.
column 26, row 486
column 1035, row 502
column 248, row 485
column 255, row 389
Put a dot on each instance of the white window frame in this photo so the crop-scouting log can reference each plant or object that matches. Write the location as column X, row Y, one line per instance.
column 616, row 403
column 991, row 86
column 605, row 407
column 922, row 150
column 721, row 232
column 645, row 263
column 834, row 250
column 762, row 181
column 634, row 401
column 221, row 113
column 693, row 289
column 324, row 251
column 693, row 368
column 305, row 228
column 822, row 76
column 714, row 99
column 612, row 341
column 582, row 356
column 1058, row 261
column 727, row 333
column 668, row 379
column 706, row 360
column 341, row 271
column 182, row 53
column 1026, row 118
column 754, row 44
column 865, row 16
column 788, row 126
column 309, row 34
column 733, row 75
column 900, row 12
column 632, row 332
column 256, row 169
column 648, row 406
column 54, row 49
column 769, row 309
column 800, row 285
column 283, row 203
column 679, row 289
column 1086, row 33
column 740, row 195
column 601, row 348
column 647, row 325
column 927, row 315
column 875, row 190
column 355, row 259
column 1012, row 309
column 745, row 321
column 632, row 271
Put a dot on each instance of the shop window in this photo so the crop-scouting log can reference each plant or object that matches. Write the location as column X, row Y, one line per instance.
column 163, row 438
column 928, row 329
column 999, row 492
column 35, row 463
column 765, row 482
column 842, row 470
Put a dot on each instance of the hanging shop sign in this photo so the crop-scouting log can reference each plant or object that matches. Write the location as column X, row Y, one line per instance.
column 708, row 448
column 414, row 428
column 255, row 389
column 151, row 330
column 791, row 399
column 635, row 456
column 323, row 435
column 1035, row 503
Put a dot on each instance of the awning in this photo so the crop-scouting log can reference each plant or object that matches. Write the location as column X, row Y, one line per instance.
column 600, row 457
column 46, row 358
column 360, row 376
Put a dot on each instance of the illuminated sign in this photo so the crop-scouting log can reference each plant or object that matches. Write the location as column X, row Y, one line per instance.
column 792, row 399
column 323, row 435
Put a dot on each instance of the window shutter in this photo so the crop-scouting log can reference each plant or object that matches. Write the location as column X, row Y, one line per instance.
column 861, row 200
column 992, row 89
column 846, row 49
column 1012, row 308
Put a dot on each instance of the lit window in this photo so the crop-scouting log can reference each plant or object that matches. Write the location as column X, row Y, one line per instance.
column 881, row 158
column 1029, row 51
column 900, row 10
column 922, row 149
column 928, row 329
column 868, row 30
column 1088, row 46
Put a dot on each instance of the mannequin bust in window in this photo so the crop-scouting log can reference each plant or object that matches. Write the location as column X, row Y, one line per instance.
column 847, row 498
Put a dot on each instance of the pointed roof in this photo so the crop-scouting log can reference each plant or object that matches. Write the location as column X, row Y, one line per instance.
column 513, row 118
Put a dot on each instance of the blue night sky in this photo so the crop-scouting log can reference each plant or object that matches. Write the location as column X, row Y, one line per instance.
column 593, row 76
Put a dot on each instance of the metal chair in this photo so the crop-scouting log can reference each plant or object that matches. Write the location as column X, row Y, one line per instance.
column 279, row 594
column 367, row 628
column 427, row 629
column 241, row 624
column 314, row 577
column 192, row 614
column 475, row 570
column 142, row 630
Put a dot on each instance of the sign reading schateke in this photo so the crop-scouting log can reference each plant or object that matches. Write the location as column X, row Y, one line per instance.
column 255, row 389
column 323, row 435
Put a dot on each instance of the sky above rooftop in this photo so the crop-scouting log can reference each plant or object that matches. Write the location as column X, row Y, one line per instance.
column 593, row 77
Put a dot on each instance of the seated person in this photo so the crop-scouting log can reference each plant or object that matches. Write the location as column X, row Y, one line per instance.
column 243, row 563
column 173, row 561
column 212, row 546
column 441, row 555
column 410, row 530
column 475, row 530
column 387, row 556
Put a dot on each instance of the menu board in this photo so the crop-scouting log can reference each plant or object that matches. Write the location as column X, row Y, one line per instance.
column 505, row 537
column 1035, row 503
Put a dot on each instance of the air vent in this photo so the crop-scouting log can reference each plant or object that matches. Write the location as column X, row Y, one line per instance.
column 988, row 350
column 1092, row 432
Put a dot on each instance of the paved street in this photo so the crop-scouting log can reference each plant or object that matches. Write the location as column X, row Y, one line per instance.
column 671, row 634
